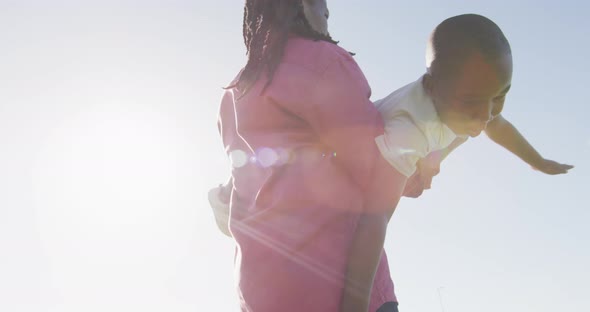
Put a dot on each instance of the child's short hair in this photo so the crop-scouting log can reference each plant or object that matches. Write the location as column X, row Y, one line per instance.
column 456, row 38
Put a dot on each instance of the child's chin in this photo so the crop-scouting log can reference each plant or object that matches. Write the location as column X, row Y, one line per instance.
column 474, row 133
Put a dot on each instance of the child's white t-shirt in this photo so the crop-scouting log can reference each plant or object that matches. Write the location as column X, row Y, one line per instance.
column 412, row 127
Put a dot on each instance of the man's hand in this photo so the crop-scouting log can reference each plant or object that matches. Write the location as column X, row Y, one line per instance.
column 552, row 167
column 426, row 169
column 415, row 186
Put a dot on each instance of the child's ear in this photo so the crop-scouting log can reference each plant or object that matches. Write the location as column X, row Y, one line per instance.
column 428, row 83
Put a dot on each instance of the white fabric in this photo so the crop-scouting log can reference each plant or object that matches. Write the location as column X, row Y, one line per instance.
column 412, row 127
column 220, row 210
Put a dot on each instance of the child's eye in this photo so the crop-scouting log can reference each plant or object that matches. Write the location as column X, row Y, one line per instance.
column 500, row 98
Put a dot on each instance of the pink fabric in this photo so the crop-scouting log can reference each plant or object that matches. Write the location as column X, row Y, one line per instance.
column 312, row 167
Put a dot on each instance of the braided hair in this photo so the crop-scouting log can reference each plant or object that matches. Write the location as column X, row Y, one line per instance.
column 266, row 29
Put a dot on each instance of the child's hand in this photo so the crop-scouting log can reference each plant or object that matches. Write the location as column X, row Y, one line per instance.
column 220, row 206
column 552, row 167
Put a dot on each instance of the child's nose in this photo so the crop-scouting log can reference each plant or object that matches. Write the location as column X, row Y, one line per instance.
column 480, row 121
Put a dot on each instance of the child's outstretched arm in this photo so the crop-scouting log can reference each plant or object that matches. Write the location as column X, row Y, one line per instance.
column 505, row 134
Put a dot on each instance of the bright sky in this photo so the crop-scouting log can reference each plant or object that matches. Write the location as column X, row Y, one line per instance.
column 108, row 145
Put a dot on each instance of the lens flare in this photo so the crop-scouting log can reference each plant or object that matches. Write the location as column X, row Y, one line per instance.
column 238, row 158
column 267, row 157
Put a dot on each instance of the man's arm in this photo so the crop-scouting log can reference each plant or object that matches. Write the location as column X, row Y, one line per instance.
column 367, row 243
column 365, row 253
column 505, row 134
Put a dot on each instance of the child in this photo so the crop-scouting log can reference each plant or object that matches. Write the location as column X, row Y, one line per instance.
column 469, row 71
column 445, row 50
column 416, row 107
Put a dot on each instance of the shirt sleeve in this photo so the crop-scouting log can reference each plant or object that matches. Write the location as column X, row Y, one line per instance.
column 339, row 111
column 402, row 145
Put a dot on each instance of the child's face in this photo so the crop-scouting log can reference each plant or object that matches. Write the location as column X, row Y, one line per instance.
column 467, row 102
column 316, row 12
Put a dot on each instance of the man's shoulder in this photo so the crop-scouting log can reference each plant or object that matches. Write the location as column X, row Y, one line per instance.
column 314, row 55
